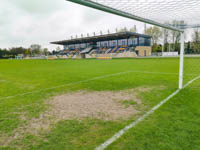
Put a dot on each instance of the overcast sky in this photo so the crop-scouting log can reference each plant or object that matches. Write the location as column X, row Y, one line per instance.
column 25, row 22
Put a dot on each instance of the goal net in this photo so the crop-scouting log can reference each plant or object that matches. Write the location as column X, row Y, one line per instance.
column 182, row 17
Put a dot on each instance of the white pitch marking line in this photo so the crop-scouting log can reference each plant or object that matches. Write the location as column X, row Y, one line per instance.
column 167, row 73
column 121, row 132
column 3, row 81
column 95, row 78
column 78, row 82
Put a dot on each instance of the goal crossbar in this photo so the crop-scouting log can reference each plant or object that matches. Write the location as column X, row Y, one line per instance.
column 111, row 10
column 108, row 9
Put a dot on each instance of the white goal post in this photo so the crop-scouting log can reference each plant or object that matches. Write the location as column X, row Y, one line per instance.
column 181, row 61
column 100, row 6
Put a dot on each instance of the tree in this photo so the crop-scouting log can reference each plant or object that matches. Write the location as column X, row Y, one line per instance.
column 4, row 53
column 45, row 50
column 157, row 48
column 27, row 52
column 165, row 38
column 196, row 36
column 196, row 41
column 35, row 49
column 14, row 51
column 156, row 34
column 175, row 35
column 133, row 29
column 122, row 30
column 17, row 50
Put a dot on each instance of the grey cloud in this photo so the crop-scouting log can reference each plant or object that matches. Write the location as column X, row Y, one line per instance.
column 37, row 6
column 24, row 22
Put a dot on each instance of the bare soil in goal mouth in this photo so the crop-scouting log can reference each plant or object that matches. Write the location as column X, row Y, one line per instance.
column 104, row 105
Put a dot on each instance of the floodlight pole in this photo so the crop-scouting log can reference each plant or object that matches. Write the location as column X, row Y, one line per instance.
column 181, row 61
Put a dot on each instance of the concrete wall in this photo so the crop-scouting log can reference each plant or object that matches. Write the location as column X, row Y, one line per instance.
column 126, row 55
column 78, row 57
column 144, row 51
column 104, row 55
column 91, row 56
column 114, row 55
column 170, row 54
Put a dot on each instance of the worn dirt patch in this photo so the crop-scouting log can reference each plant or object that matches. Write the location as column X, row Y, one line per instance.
column 101, row 105
column 105, row 105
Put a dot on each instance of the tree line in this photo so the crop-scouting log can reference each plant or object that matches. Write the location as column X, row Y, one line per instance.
column 171, row 39
column 33, row 50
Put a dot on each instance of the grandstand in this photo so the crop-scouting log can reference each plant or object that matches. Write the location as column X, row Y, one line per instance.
column 108, row 45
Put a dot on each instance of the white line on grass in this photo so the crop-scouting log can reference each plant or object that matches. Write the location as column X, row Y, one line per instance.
column 167, row 73
column 68, row 84
column 92, row 79
column 3, row 81
column 121, row 132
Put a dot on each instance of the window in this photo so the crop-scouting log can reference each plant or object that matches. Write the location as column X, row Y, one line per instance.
column 130, row 42
column 114, row 44
column 141, row 41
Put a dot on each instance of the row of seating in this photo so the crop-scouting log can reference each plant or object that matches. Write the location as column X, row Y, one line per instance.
column 70, row 52
column 100, row 50
column 118, row 49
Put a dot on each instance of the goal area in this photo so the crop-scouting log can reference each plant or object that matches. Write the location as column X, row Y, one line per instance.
column 161, row 13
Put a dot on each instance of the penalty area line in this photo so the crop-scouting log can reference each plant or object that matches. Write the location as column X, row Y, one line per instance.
column 67, row 84
column 87, row 80
column 124, row 130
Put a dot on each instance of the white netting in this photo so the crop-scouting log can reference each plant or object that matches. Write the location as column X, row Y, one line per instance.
column 158, row 10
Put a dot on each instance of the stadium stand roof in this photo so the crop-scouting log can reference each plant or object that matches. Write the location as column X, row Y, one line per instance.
column 105, row 37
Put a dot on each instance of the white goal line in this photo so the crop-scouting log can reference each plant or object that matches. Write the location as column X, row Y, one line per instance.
column 124, row 130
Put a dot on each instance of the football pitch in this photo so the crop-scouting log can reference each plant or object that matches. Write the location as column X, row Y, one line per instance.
column 79, row 104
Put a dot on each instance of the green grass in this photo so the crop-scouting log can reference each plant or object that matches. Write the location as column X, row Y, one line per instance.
column 127, row 103
column 173, row 126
